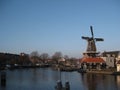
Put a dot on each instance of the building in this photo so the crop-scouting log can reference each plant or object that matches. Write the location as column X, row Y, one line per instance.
column 111, row 58
column 118, row 66
column 91, row 60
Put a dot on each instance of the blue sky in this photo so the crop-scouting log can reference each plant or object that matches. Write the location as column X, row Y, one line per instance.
column 57, row 25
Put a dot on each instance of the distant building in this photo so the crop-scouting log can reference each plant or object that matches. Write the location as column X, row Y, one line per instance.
column 22, row 54
column 61, row 60
column 118, row 62
column 8, row 58
column 118, row 66
column 111, row 58
column 118, row 57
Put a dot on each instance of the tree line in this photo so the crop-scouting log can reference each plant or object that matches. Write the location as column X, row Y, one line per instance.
column 32, row 58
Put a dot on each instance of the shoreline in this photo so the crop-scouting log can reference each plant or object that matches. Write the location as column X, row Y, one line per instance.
column 100, row 72
column 103, row 72
column 66, row 69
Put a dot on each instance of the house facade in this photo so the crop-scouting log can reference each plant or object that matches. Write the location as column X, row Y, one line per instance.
column 111, row 58
column 118, row 63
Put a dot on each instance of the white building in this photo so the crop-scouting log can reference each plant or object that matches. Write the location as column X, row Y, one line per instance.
column 111, row 58
column 118, row 62
column 118, row 66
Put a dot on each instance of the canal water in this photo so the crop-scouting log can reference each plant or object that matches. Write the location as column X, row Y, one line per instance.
column 46, row 78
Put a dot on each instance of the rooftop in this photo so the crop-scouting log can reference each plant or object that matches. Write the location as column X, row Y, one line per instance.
column 92, row 60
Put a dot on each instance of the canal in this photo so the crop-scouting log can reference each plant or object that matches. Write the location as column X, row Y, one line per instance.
column 46, row 78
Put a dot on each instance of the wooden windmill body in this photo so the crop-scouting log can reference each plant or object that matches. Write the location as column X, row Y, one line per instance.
column 91, row 50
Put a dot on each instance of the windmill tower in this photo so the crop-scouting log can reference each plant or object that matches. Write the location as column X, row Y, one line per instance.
column 91, row 50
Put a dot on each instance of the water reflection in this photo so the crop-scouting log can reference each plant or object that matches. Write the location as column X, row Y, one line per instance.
column 45, row 79
column 100, row 82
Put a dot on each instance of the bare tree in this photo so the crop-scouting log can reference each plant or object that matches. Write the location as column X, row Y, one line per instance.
column 34, row 53
column 66, row 57
column 34, row 56
column 57, row 56
column 44, row 57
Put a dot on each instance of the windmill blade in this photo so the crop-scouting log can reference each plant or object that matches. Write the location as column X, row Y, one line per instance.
column 85, row 37
column 92, row 31
column 99, row 39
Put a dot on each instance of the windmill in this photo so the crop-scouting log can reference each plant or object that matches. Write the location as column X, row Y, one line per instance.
column 91, row 47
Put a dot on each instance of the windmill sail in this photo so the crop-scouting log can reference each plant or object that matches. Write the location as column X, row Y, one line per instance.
column 99, row 39
column 85, row 37
column 91, row 47
column 92, row 31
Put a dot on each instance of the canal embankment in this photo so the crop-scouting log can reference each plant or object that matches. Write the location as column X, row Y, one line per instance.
column 101, row 71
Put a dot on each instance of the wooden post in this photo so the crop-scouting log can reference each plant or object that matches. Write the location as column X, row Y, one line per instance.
column 3, row 79
column 59, row 85
column 67, row 86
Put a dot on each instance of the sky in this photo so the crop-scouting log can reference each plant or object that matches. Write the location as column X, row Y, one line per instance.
column 49, row 26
